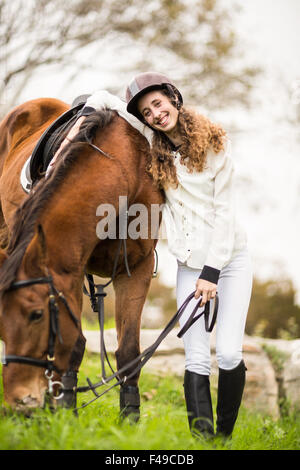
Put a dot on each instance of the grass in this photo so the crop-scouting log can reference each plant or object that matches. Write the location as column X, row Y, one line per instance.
column 163, row 424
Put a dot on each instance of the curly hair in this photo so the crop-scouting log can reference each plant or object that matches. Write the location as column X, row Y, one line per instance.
column 198, row 135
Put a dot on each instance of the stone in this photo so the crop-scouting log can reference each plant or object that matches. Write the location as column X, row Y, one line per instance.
column 261, row 390
column 289, row 375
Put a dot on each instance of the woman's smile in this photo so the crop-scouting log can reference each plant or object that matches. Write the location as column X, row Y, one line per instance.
column 163, row 121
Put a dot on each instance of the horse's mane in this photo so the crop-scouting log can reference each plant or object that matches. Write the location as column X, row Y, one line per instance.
column 26, row 216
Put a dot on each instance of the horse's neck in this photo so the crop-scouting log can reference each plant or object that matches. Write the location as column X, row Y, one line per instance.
column 70, row 236
column 70, row 219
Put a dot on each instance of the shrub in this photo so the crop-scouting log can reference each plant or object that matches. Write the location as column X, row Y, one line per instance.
column 273, row 312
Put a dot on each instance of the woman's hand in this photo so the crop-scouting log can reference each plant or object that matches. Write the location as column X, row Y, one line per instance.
column 72, row 133
column 205, row 288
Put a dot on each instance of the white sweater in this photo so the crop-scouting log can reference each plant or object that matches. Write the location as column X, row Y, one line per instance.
column 200, row 214
column 199, row 217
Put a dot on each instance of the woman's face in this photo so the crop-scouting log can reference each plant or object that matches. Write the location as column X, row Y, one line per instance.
column 158, row 111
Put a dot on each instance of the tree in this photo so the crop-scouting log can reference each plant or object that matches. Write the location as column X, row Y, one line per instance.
column 192, row 40
column 273, row 312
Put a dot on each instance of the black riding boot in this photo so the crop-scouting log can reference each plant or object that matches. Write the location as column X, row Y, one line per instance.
column 230, row 391
column 130, row 402
column 198, row 403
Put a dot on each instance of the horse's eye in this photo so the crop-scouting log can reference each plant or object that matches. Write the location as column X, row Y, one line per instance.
column 36, row 315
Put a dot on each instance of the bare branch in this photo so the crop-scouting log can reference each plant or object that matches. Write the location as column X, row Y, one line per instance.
column 195, row 39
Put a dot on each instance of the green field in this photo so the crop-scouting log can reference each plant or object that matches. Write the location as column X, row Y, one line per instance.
column 163, row 424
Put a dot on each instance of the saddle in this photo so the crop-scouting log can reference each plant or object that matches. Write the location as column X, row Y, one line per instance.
column 48, row 143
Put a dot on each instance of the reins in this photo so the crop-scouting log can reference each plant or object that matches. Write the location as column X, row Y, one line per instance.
column 144, row 357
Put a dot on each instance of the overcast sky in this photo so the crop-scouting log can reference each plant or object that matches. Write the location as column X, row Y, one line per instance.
column 270, row 152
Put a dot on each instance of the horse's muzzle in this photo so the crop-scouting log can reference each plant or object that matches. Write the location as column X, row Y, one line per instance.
column 27, row 402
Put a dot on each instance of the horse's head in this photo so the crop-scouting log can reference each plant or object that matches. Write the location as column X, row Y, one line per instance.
column 37, row 326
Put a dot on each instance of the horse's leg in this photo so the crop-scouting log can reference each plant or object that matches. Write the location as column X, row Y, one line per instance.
column 69, row 378
column 130, row 298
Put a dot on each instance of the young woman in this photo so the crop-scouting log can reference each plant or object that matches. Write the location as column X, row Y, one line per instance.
column 191, row 162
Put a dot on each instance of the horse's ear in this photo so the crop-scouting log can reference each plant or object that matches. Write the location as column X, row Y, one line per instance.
column 36, row 252
column 3, row 257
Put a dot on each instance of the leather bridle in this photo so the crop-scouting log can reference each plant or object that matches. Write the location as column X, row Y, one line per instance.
column 54, row 332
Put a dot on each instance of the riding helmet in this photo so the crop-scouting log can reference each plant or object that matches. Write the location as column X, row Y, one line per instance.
column 145, row 82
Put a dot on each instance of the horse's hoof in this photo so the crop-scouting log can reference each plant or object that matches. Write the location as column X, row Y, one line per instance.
column 130, row 403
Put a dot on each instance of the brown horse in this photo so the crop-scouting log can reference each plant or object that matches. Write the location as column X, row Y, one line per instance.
column 49, row 239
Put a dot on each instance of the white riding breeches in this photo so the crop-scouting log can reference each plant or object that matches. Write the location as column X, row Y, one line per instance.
column 234, row 292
